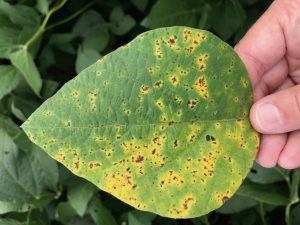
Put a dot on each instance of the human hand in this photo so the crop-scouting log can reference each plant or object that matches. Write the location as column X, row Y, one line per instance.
column 271, row 53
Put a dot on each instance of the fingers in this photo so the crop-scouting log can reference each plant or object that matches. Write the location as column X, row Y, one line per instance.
column 264, row 44
column 271, row 80
column 289, row 157
column 271, row 146
column 278, row 112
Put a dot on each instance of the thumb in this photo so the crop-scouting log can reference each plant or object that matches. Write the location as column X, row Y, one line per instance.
column 278, row 112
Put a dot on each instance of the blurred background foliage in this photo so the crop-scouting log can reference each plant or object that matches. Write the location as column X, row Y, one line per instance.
column 45, row 43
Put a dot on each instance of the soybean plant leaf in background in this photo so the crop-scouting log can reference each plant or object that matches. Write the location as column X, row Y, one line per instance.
column 24, row 175
column 8, row 41
column 236, row 204
column 140, row 4
column 43, row 6
column 161, row 123
column 23, row 60
column 259, row 174
column 120, row 23
column 85, row 57
column 79, row 195
column 173, row 12
column 9, row 79
column 267, row 193
column 20, row 14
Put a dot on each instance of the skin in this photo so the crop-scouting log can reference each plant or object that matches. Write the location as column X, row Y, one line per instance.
column 271, row 53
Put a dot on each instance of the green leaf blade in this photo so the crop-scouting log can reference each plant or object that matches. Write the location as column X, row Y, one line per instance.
column 25, row 63
column 155, row 114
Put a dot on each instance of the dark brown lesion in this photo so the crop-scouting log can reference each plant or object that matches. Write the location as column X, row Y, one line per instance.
column 158, row 84
column 192, row 103
column 211, row 138
column 225, row 199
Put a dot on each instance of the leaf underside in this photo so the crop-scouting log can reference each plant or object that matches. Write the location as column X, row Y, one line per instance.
column 161, row 123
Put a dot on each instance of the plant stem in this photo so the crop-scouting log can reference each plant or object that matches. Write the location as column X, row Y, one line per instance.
column 72, row 16
column 41, row 29
column 262, row 213
column 287, row 214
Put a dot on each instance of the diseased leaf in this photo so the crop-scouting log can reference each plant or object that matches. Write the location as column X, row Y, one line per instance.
column 168, row 111
column 24, row 62
column 9, row 79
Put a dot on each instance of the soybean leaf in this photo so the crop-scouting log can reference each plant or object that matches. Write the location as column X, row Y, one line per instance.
column 43, row 6
column 140, row 4
column 153, row 114
column 20, row 14
column 24, row 62
column 120, row 23
column 9, row 126
column 173, row 12
column 24, row 176
column 246, row 217
column 295, row 218
column 88, row 24
column 9, row 79
column 85, row 58
column 9, row 222
column 17, row 112
column 259, row 174
column 232, row 16
column 99, row 214
column 64, row 212
column 13, row 206
column 8, row 41
column 49, row 88
column 267, row 193
column 294, row 197
column 136, row 217
column 236, row 204
column 79, row 195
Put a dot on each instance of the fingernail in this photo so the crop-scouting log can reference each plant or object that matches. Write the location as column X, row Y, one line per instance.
column 268, row 117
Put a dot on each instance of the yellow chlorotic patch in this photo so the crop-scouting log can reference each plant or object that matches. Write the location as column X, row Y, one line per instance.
column 75, row 93
column 158, row 53
column 183, row 208
column 201, row 86
column 92, row 99
column 174, row 80
column 159, row 103
column 201, row 61
column 244, row 82
column 170, row 178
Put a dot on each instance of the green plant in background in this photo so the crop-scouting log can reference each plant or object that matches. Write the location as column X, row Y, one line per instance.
column 43, row 44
